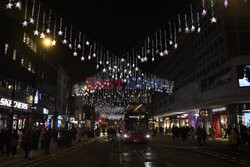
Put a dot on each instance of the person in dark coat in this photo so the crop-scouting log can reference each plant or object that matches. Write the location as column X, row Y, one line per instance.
column 7, row 141
column 199, row 135
column 14, row 142
column 47, row 139
column 2, row 141
column 26, row 142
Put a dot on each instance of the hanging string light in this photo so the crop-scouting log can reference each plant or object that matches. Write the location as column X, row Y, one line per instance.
column 165, row 42
column 70, row 37
column 60, row 33
column 37, row 21
column 83, row 51
column 213, row 19
column 49, row 19
column 42, row 35
column 204, row 11
column 90, row 50
column 179, row 21
column 32, row 12
column 160, row 36
column 94, row 52
column 153, row 50
column 198, row 23
column 53, row 43
column 192, row 18
column 170, row 34
column 79, row 41
column 75, row 53
column 156, row 43
column 186, row 26
column 175, row 38
column 25, row 23
column 64, row 41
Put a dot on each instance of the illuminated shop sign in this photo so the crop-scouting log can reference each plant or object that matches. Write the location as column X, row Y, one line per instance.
column 45, row 111
column 182, row 116
column 219, row 109
column 8, row 103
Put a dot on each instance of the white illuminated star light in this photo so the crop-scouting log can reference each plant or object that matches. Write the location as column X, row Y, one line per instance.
column 166, row 52
column 145, row 59
column 153, row 59
column 9, row 5
column 204, row 12
column 82, row 58
column 186, row 30
column 60, row 33
column 79, row 46
column 42, row 35
column 89, row 57
column 175, row 45
column 192, row 28
column 32, row 20
column 70, row 46
column 136, row 68
column 179, row 30
column 213, row 20
column 36, row 32
column 25, row 23
column 122, row 59
column 161, row 54
column 139, row 57
column 18, row 5
column 199, row 30
column 47, row 30
column 170, row 42
column 53, row 43
column 97, row 66
column 104, row 70
column 64, row 41
column 74, row 53
column 94, row 55
column 87, row 42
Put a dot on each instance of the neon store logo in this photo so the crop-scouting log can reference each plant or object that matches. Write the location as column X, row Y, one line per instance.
column 129, row 83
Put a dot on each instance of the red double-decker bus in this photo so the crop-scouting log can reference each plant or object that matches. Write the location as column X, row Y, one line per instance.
column 135, row 123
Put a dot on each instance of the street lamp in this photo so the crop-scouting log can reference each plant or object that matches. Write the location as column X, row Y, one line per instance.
column 47, row 42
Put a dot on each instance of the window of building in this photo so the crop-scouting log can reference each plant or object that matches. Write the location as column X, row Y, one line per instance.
column 6, row 49
column 14, row 54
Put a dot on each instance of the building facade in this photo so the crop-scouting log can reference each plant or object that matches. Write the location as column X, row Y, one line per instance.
column 211, row 74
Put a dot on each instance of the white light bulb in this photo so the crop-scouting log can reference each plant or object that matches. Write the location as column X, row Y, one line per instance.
column 213, row 20
column 64, row 41
column 175, row 45
column 122, row 59
column 36, row 32
column 47, row 30
column 89, row 57
column 166, row 52
column 79, row 46
column 25, row 23
column 87, row 42
column 94, row 55
column 32, row 20
column 204, row 12
column 9, row 5
column 170, row 42
column 186, row 30
column 70, row 46
column 53, row 43
column 60, row 33
column 161, row 54
column 179, row 30
column 82, row 58
column 199, row 30
column 18, row 5
column 74, row 53
column 42, row 35
column 192, row 28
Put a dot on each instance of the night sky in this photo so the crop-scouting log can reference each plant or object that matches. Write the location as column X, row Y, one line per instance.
column 116, row 25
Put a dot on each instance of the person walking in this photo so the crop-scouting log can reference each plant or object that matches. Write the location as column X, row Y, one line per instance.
column 199, row 135
column 42, row 137
column 204, row 137
column 47, row 139
column 14, row 142
column 234, row 140
column 26, row 144
column 8, row 141
column 2, row 141
column 19, row 141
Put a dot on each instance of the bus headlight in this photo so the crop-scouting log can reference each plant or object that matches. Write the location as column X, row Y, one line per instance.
column 126, row 136
column 147, row 136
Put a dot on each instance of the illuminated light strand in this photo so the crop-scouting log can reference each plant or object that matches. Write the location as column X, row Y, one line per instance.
column 170, row 34
column 49, row 20
column 25, row 23
column 32, row 12
column 75, row 53
column 186, row 26
column 37, row 20
column 213, row 19
column 79, row 40
column 192, row 18
column 64, row 41
column 165, row 43
column 204, row 11
column 42, row 35
column 175, row 38
column 160, row 36
column 179, row 21
column 198, row 23
column 60, row 33
column 70, row 37
column 53, row 43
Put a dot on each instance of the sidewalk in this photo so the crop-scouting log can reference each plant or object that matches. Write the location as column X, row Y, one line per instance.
column 39, row 154
column 218, row 147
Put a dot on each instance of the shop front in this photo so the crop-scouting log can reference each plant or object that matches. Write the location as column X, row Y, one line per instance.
column 20, row 114
column 219, row 121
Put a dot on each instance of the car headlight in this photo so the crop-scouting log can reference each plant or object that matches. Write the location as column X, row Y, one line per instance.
column 126, row 136
column 147, row 136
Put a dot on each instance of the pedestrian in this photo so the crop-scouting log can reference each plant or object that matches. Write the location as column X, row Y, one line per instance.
column 183, row 133
column 41, row 137
column 204, row 137
column 79, row 134
column 14, row 142
column 19, row 142
column 26, row 144
column 47, row 139
column 2, row 141
column 234, row 140
column 191, row 135
column 8, row 141
column 33, row 143
column 248, row 138
column 199, row 135
column 228, row 131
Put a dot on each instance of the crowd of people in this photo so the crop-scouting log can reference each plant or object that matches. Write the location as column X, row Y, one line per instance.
column 28, row 140
column 200, row 135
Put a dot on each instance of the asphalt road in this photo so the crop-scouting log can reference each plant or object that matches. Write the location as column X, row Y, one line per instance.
column 101, row 153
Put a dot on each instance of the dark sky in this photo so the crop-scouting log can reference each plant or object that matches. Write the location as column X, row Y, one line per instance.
column 118, row 25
